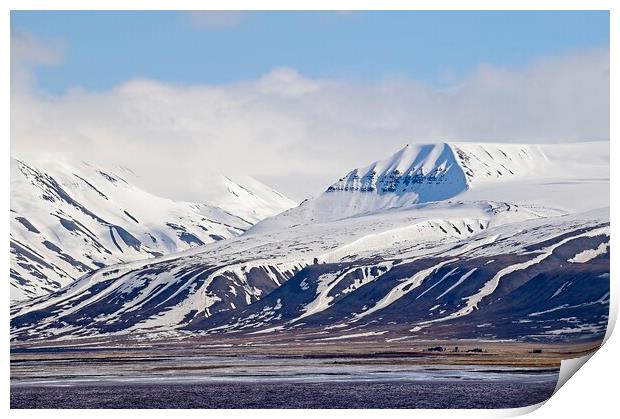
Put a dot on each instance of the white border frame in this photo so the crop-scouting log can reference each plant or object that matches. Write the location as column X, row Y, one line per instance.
column 593, row 391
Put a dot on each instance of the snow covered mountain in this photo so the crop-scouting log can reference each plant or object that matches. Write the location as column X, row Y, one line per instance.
column 545, row 279
column 418, row 174
column 524, row 254
column 69, row 219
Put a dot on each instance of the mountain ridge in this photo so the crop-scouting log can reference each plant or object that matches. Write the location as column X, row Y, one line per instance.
column 69, row 219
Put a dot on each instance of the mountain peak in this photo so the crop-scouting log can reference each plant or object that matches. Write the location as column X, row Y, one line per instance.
column 405, row 171
column 424, row 173
column 438, row 171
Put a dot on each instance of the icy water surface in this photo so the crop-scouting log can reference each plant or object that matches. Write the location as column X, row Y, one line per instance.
column 261, row 382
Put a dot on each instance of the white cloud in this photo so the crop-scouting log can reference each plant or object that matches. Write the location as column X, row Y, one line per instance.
column 28, row 51
column 300, row 134
column 284, row 81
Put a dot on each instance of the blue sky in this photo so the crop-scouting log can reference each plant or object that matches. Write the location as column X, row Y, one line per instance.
column 297, row 99
column 104, row 49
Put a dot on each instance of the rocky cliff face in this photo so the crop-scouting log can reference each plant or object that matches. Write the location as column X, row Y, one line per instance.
column 437, row 171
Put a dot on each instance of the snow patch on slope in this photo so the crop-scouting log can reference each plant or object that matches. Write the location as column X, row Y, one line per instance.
column 589, row 254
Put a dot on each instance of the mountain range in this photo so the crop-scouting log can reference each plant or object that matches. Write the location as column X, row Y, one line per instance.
column 446, row 240
column 68, row 219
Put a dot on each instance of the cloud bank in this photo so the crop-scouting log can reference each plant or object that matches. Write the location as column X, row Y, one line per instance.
column 295, row 133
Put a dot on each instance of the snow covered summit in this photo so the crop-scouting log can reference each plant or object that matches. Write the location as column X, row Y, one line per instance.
column 545, row 174
column 433, row 172
column 437, row 171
